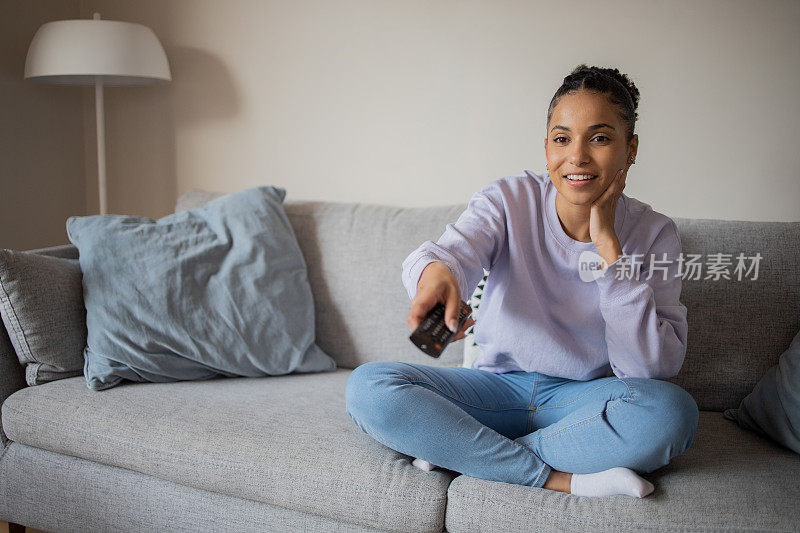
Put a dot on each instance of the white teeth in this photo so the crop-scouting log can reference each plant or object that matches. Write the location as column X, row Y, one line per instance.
column 579, row 177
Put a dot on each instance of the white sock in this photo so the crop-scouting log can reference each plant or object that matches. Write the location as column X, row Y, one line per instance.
column 617, row 480
column 422, row 464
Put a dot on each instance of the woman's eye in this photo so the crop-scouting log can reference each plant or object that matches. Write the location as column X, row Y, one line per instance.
column 600, row 138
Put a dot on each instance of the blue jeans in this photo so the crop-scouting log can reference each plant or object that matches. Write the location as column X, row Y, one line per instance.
column 514, row 427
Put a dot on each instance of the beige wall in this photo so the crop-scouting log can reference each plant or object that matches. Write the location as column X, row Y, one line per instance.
column 42, row 174
column 417, row 103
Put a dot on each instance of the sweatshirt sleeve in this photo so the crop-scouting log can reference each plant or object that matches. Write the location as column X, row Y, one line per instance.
column 646, row 325
column 467, row 247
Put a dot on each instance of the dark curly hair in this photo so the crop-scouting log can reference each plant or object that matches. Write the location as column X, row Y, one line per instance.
column 619, row 88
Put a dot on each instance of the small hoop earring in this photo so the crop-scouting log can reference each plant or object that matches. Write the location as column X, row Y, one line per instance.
column 546, row 167
column 633, row 161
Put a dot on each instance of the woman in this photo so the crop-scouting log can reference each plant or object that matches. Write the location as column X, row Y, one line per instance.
column 580, row 320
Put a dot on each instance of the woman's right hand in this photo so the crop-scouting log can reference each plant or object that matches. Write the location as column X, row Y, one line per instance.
column 437, row 285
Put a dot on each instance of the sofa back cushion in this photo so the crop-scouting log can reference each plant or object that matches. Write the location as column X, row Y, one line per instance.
column 737, row 329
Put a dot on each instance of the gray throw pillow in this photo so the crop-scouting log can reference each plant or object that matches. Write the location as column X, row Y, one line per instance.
column 218, row 291
column 41, row 303
column 773, row 408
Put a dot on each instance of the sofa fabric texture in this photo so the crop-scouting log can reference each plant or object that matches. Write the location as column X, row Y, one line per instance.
column 239, row 437
column 74, row 495
column 41, row 303
column 12, row 378
column 220, row 290
column 216, row 438
column 737, row 329
column 278, row 453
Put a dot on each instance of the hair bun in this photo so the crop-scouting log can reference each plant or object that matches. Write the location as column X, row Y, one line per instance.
column 582, row 70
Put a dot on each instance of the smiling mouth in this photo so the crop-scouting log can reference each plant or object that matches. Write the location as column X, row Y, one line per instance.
column 579, row 177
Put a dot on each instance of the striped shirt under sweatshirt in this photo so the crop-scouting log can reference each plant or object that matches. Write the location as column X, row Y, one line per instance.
column 539, row 312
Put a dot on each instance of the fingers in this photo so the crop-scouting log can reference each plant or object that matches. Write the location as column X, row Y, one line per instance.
column 615, row 185
column 424, row 301
column 420, row 307
column 463, row 331
column 606, row 196
column 452, row 308
column 624, row 178
column 614, row 189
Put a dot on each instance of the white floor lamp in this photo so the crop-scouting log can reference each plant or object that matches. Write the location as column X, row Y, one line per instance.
column 97, row 52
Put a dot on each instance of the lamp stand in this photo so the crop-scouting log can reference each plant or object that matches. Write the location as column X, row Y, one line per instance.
column 101, row 144
column 101, row 139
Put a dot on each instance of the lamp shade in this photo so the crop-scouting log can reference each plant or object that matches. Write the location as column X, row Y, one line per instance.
column 75, row 52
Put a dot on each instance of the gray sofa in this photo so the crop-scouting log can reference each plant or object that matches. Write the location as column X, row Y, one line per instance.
column 281, row 454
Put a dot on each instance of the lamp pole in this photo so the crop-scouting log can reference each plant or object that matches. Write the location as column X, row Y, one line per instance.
column 101, row 139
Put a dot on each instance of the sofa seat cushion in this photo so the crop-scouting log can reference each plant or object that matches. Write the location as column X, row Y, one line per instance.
column 282, row 440
column 729, row 479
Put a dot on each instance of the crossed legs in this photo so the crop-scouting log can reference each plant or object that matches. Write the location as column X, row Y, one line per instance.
column 518, row 427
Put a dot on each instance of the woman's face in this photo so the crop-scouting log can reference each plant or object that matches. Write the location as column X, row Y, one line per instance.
column 587, row 136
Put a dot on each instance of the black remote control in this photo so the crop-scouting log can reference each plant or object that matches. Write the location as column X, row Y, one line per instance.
column 432, row 336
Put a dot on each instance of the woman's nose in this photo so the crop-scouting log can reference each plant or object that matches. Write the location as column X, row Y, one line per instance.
column 579, row 153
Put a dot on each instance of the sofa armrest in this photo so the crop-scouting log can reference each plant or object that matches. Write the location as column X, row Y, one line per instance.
column 12, row 377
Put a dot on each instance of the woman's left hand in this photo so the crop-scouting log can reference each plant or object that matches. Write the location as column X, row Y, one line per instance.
column 602, row 216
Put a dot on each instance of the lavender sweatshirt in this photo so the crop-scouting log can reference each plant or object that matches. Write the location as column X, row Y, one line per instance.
column 545, row 307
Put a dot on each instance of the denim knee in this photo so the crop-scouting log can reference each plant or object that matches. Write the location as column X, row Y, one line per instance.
column 683, row 412
column 672, row 419
column 363, row 388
